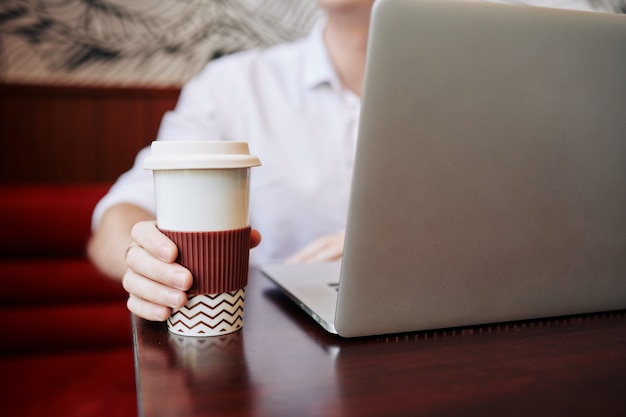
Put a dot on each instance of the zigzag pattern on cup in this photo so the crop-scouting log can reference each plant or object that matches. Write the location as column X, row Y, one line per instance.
column 209, row 315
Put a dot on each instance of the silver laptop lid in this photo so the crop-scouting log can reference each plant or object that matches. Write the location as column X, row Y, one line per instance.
column 490, row 177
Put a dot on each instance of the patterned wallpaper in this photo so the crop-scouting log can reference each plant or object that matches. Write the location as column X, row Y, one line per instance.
column 136, row 42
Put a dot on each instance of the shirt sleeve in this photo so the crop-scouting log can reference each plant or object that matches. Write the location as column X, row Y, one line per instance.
column 196, row 114
column 194, row 118
column 134, row 187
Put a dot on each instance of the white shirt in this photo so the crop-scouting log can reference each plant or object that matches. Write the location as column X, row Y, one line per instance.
column 288, row 104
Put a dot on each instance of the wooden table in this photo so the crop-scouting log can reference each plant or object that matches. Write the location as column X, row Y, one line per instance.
column 283, row 364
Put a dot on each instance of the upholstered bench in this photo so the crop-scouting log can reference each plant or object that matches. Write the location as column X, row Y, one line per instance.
column 66, row 337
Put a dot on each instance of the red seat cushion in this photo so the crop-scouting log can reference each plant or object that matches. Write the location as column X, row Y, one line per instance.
column 45, row 329
column 47, row 219
column 91, row 383
column 55, row 281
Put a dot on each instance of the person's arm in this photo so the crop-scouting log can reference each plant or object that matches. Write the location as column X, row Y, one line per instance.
column 109, row 242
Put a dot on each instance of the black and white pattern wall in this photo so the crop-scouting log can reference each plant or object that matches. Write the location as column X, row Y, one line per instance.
column 138, row 42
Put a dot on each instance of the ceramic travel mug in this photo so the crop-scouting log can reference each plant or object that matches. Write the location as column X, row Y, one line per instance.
column 202, row 199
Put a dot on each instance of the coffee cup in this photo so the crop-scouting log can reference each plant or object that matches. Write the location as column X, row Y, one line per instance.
column 202, row 204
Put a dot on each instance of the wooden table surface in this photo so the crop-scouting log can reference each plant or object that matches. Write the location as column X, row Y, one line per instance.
column 283, row 364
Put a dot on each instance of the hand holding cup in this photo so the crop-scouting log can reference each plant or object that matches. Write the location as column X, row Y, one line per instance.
column 202, row 204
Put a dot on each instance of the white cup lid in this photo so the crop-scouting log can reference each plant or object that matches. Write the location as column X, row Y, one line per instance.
column 173, row 155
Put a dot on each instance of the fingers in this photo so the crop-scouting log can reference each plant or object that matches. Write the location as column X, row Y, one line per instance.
column 148, row 311
column 255, row 238
column 155, row 283
column 159, row 300
column 146, row 235
column 142, row 264
column 324, row 249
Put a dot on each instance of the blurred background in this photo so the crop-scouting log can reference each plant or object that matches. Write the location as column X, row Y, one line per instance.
column 137, row 42
column 83, row 87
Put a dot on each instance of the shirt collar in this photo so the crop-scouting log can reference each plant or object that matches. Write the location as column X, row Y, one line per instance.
column 318, row 68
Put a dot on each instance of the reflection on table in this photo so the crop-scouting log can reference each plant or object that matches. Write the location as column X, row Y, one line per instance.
column 284, row 364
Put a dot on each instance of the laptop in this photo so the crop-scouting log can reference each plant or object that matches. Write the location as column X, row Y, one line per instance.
column 490, row 176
